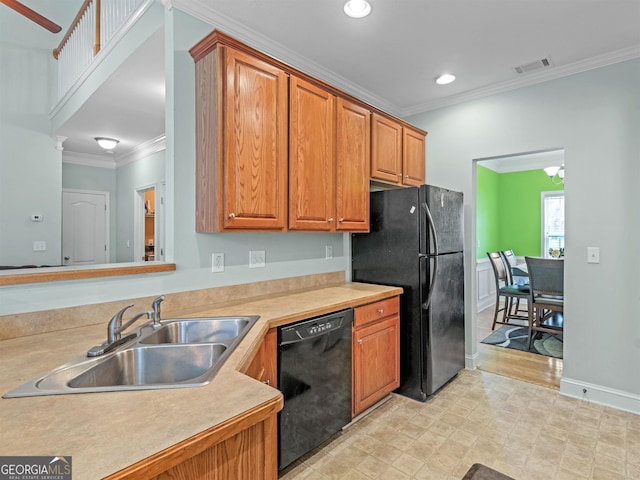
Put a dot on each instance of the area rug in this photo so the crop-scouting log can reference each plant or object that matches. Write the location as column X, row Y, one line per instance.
column 482, row 472
column 516, row 337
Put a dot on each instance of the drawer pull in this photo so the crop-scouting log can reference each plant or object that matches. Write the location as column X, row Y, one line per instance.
column 381, row 311
column 232, row 215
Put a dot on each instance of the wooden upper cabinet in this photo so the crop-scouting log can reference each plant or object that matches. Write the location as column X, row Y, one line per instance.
column 386, row 149
column 241, row 135
column 397, row 152
column 311, row 157
column 353, row 154
column 413, row 157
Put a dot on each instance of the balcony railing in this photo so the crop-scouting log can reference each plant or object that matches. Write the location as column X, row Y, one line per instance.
column 95, row 25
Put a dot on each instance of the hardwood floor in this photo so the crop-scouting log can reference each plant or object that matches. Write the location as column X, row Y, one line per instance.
column 528, row 367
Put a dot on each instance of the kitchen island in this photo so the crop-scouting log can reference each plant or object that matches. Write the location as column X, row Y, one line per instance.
column 141, row 434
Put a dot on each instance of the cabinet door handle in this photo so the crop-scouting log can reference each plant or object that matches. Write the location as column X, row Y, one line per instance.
column 360, row 342
column 331, row 220
column 400, row 175
column 341, row 220
column 267, row 382
column 232, row 215
column 381, row 311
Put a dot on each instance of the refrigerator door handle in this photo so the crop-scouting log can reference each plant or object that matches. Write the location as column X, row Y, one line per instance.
column 432, row 229
column 432, row 281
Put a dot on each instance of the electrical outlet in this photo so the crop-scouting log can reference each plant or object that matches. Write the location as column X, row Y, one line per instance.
column 257, row 259
column 217, row 262
column 593, row 254
column 328, row 252
column 39, row 246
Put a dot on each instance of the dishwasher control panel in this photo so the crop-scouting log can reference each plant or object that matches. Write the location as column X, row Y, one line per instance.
column 315, row 326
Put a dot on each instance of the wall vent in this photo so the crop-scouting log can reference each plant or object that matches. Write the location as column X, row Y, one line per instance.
column 537, row 65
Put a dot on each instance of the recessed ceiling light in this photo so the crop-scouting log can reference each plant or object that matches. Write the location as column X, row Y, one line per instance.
column 445, row 78
column 357, row 8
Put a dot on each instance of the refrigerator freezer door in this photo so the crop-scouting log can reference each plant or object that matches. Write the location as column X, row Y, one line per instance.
column 446, row 209
column 443, row 324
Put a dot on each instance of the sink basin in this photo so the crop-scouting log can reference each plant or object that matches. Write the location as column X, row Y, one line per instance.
column 151, row 365
column 179, row 353
column 198, row 330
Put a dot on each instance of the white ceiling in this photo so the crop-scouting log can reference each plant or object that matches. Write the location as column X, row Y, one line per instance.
column 388, row 59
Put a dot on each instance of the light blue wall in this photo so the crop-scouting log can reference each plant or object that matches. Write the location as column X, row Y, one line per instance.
column 595, row 116
column 30, row 164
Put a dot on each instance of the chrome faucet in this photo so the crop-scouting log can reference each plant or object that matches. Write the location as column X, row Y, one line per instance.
column 114, row 332
column 155, row 314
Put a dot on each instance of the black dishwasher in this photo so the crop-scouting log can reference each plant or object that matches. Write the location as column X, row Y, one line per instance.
column 314, row 375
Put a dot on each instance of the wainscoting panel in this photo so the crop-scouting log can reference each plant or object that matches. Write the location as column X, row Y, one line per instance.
column 486, row 284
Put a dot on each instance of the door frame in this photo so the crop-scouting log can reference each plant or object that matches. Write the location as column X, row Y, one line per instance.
column 138, row 220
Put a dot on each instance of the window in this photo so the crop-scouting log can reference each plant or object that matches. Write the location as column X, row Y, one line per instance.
column 552, row 224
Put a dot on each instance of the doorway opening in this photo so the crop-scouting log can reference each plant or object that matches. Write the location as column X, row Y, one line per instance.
column 148, row 214
column 509, row 216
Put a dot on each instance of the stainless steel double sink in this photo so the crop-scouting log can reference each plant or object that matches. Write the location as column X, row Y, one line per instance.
column 178, row 353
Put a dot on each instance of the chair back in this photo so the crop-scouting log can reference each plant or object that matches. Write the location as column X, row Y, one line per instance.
column 510, row 261
column 499, row 270
column 546, row 276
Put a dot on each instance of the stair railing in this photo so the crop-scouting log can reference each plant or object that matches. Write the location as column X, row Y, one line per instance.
column 94, row 26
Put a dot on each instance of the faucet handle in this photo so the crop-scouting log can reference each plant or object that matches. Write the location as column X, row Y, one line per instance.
column 155, row 305
column 115, row 324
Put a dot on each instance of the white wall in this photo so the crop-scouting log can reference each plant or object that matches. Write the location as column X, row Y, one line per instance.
column 595, row 117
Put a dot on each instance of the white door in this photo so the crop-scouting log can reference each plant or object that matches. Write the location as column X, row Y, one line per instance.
column 85, row 233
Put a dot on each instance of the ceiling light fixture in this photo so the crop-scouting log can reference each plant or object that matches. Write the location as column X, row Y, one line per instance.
column 107, row 143
column 556, row 174
column 445, row 78
column 357, row 8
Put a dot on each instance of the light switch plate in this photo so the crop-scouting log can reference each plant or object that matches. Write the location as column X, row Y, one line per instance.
column 593, row 254
column 39, row 246
column 328, row 252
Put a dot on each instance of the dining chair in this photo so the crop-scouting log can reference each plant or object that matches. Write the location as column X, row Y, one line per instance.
column 508, row 292
column 546, row 295
column 511, row 262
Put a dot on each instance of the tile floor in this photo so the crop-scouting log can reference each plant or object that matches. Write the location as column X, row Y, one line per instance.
column 523, row 430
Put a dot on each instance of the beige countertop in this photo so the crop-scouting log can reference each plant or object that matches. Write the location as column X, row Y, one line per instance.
column 106, row 432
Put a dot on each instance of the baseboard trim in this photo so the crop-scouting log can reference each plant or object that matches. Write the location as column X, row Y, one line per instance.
column 471, row 362
column 598, row 394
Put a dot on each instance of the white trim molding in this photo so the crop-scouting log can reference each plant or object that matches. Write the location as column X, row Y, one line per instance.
column 142, row 151
column 600, row 395
column 88, row 160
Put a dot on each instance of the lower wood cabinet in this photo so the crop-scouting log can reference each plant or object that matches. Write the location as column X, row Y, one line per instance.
column 376, row 353
column 264, row 366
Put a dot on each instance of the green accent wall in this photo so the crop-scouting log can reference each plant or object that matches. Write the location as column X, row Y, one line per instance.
column 508, row 210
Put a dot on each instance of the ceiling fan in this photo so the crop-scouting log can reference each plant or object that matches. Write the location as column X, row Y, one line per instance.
column 31, row 15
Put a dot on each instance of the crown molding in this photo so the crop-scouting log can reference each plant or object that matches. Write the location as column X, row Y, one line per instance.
column 527, row 80
column 280, row 52
column 88, row 160
column 142, row 151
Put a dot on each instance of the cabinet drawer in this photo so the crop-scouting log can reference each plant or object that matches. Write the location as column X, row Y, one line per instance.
column 376, row 311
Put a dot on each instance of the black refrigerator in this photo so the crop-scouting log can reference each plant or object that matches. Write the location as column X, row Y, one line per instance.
column 416, row 242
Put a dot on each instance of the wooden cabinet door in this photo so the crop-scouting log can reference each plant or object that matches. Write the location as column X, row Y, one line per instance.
column 264, row 366
column 353, row 155
column 413, row 157
column 386, row 149
column 311, row 157
column 255, row 144
column 376, row 362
